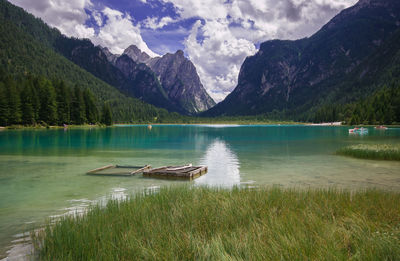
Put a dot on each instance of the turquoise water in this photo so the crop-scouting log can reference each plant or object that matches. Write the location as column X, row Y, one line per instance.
column 42, row 172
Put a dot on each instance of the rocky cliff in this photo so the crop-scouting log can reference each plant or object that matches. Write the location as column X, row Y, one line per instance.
column 174, row 77
column 181, row 82
column 293, row 75
column 136, row 54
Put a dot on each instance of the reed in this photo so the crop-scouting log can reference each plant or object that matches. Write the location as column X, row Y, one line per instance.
column 186, row 223
column 368, row 151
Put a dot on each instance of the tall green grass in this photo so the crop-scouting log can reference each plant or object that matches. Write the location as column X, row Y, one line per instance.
column 378, row 152
column 241, row 224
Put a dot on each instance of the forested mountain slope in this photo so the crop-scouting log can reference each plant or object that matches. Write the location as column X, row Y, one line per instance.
column 27, row 46
column 348, row 59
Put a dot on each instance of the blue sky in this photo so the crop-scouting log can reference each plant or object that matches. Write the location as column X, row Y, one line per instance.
column 216, row 35
column 170, row 38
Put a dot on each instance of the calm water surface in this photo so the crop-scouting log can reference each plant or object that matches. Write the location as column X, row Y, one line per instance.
column 42, row 172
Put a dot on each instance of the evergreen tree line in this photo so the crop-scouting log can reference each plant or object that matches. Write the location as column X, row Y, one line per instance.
column 37, row 100
column 383, row 107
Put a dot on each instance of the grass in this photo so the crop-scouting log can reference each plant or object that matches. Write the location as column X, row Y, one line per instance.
column 377, row 152
column 186, row 223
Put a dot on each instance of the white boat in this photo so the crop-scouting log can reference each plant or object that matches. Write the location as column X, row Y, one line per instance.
column 358, row 131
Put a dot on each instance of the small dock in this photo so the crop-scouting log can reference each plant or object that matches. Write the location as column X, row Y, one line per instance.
column 117, row 170
column 187, row 172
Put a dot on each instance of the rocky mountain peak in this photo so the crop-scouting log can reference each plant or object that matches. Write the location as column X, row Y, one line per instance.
column 110, row 56
column 179, row 78
column 179, row 53
column 287, row 75
column 136, row 54
column 170, row 81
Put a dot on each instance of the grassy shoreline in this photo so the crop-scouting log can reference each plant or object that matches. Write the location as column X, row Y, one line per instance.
column 370, row 151
column 186, row 223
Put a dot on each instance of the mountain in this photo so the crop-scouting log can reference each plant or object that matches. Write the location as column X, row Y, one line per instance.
column 143, row 83
column 175, row 84
column 329, row 67
column 178, row 77
column 110, row 56
column 181, row 82
column 132, row 79
column 135, row 80
column 136, row 54
column 28, row 45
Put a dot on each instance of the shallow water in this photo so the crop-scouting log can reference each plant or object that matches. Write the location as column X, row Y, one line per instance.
column 42, row 172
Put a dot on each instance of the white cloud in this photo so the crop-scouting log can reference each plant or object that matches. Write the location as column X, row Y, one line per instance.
column 116, row 31
column 157, row 23
column 218, row 56
column 231, row 28
column 217, row 46
column 97, row 16
column 68, row 16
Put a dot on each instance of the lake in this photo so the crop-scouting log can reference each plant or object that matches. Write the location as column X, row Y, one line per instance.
column 42, row 172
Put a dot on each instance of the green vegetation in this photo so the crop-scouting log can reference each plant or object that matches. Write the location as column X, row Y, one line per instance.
column 30, row 100
column 377, row 152
column 240, row 224
column 383, row 107
column 36, row 100
column 107, row 117
column 29, row 46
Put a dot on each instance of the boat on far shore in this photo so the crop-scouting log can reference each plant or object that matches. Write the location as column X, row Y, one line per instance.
column 381, row 127
column 360, row 131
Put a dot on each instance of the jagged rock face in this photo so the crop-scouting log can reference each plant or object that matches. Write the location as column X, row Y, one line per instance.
column 136, row 54
column 181, row 82
column 91, row 58
column 171, row 78
column 292, row 74
column 131, row 78
column 143, row 83
column 172, row 83
column 112, row 58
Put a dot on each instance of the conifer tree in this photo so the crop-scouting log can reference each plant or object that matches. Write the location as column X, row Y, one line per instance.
column 35, row 97
column 28, row 113
column 78, row 111
column 92, row 113
column 14, row 103
column 63, row 103
column 3, row 105
column 48, row 103
column 106, row 115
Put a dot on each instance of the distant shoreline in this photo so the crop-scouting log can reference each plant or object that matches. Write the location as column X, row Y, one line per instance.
column 324, row 124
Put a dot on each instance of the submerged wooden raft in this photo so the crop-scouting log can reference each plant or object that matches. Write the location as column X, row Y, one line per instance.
column 177, row 172
column 117, row 170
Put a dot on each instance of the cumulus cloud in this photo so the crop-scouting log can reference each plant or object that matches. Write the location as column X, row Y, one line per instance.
column 118, row 32
column 226, row 31
column 229, row 29
column 218, row 56
column 116, row 29
column 68, row 16
column 157, row 23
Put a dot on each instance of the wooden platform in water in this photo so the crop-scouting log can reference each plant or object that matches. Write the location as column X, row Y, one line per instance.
column 177, row 172
column 117, row 170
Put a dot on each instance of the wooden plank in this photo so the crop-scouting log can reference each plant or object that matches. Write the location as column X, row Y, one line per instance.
column 141, row 170
column 129, row 167
column 102, row 168
column 186, row 173
column 157, row 169
column 179, row 167
column 124, row 170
